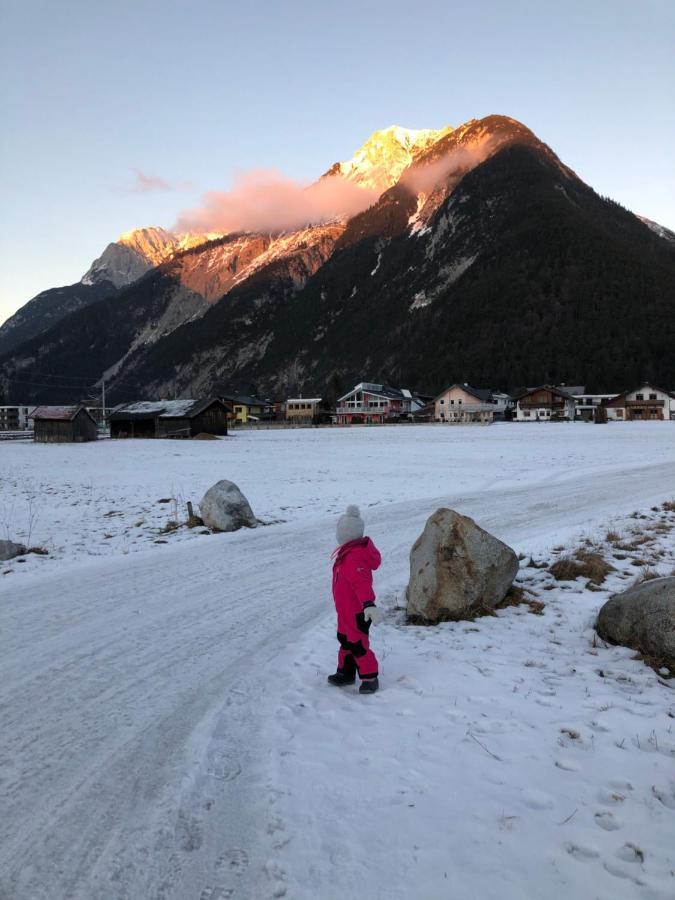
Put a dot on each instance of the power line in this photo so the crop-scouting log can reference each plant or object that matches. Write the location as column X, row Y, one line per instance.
column 65, row 387
column 89, row 380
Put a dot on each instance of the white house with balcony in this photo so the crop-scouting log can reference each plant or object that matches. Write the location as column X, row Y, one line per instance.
column 545, row 404
column 645, row 403
column 587, row 405
column 370, row 403
column 462, row 404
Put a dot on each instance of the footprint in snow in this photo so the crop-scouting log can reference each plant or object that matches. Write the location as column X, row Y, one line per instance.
column 578, row 851
column 611, row 796
column 225, row 772
column 607, row 821
column 631, row 853
column 666, row 796
column 234, row 860
column 216, row 893
column 620, row 872
column 537, row 799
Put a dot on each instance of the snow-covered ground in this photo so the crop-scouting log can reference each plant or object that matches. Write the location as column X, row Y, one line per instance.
column 105, row 498
column 165, row 726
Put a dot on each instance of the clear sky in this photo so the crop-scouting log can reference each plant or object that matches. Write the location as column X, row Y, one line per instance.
column 121, row 114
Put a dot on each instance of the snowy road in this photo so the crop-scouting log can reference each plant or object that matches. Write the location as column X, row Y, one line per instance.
column 134, row 691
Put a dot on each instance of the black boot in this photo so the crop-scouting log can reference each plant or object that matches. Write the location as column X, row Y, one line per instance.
column 340, row 679
column 369, row 686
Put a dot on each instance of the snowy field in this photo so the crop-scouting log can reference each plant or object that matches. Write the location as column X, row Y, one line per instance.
column 88, row 500
column 165, row 726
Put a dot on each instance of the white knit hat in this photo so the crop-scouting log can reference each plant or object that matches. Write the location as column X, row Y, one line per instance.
column 350, row 526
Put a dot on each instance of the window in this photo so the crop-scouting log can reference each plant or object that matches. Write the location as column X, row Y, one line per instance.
column 442, row 402
column 652, row 396
column 619, row 414
column 639, row 396
column 526, row 412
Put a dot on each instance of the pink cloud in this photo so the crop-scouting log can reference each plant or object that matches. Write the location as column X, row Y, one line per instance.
column 146, row 184
column 266, row 200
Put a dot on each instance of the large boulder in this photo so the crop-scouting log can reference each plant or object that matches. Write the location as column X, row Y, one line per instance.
column 224, row 508
column 643, row 617
column 8, row 550
column 457, row 570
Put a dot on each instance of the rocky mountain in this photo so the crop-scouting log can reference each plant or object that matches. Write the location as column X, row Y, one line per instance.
column 379, row 162
column 486, row 260
column 136, row 252
column 47, row 308
column 661, row 230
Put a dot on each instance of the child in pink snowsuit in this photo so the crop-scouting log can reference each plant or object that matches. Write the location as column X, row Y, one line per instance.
column 354, row 562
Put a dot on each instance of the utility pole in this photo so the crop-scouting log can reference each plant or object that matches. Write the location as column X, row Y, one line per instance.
column 103, row 400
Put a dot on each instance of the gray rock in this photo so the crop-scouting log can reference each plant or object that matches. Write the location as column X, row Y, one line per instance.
column 224, row 508
column 457, row 570
column 643, row 617
column 8, row 550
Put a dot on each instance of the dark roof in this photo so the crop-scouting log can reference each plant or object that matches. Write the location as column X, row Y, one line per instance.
column 484, row 394
column 542, row 387
column 59, row 413
column 243, row 399
column 161, row 409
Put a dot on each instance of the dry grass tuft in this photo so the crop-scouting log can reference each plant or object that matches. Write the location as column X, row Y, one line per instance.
column 194, row 521
column 204, row 436
column 170, row 526
column 517, row 597
column 635, row 543
column 565, row 569
column 646, row 574
column 584, row 564
column 669, row 506
column 612, row 537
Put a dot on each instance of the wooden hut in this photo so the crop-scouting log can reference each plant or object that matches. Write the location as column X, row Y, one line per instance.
column 169, row 418
column 63, row 424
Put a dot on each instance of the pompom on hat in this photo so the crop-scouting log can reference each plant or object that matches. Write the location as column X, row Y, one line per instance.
column 350, row 526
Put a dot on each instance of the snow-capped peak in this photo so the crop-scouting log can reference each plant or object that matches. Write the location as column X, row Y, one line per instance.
column 378, row 163
column 137, row 251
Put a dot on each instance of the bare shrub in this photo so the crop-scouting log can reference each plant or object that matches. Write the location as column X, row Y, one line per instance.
column 646, row 574
column 583, row 564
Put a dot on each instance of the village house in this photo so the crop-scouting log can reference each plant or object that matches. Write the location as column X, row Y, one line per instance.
column 308, row 411
column 16, row 418
column 63, row 424
column 370, row 403
column 463, row 404
column 247, row 409
column 645, row 403
column 169, row 418
column 545, row 404
column 589, row 407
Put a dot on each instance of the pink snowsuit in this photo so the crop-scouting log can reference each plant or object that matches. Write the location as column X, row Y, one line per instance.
column 353, row 592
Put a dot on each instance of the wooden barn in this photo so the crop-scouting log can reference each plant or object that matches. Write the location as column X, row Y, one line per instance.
column 169, row 418
column 63, row 424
